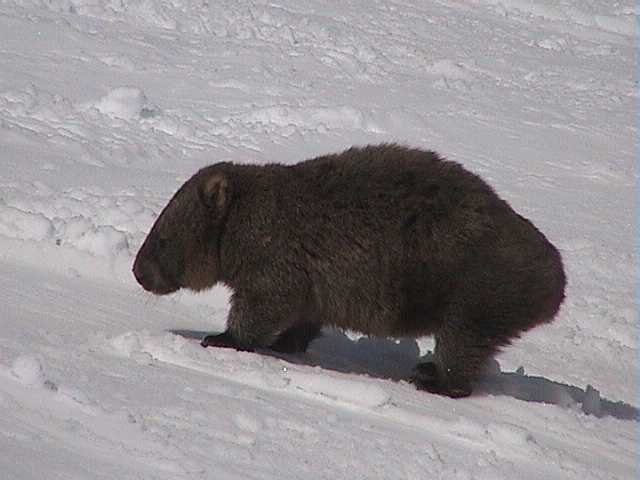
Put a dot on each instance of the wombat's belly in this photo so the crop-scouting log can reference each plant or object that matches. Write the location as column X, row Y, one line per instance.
column 385, row 308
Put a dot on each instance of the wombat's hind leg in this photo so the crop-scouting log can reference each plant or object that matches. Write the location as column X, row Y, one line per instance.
column 297, row 338
column 222, row 340
column 426, row 376
column 461, row 352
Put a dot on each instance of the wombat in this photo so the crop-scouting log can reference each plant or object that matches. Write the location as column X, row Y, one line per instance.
column 384, row 240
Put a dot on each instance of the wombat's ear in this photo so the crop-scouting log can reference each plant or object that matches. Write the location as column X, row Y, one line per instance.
column 214, row 191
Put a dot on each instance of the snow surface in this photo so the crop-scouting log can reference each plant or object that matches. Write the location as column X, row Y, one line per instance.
column 106, row 107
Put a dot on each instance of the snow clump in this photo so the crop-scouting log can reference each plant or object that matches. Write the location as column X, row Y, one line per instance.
column 126, row 103
column 28, row 370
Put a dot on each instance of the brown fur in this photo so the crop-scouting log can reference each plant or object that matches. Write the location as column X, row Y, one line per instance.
column 385, row 240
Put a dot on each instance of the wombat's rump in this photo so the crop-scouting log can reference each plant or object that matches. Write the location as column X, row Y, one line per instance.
column 385, row 240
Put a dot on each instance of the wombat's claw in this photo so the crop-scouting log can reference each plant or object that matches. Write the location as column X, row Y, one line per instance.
column 426, row 377
column 221, row 340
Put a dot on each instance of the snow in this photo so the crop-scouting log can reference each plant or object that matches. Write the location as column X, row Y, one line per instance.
column 127, row 103
column 107, row 107
column 28, row 370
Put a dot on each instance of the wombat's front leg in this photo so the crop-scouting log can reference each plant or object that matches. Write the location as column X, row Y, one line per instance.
column 260, row 323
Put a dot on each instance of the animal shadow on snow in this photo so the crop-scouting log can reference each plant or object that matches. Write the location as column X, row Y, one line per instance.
column 395, row 360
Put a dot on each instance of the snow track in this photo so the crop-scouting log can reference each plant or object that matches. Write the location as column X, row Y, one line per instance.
column 107, row 107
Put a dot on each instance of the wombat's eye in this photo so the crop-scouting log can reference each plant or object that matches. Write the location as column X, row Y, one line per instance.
column 163, row 243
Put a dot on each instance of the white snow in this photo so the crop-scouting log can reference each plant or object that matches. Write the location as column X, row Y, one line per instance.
column 107, row 107
column 28, row 370
column 126, row 103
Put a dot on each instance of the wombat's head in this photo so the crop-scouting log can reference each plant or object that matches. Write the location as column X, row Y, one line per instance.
column 181, row 250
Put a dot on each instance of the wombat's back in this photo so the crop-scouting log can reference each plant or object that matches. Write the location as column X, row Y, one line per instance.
column 387, row 183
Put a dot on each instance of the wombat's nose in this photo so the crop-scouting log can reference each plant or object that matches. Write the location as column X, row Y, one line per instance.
column 150, row 277
column 141, row 275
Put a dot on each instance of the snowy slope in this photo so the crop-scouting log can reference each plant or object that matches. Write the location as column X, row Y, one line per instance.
column 106, row 107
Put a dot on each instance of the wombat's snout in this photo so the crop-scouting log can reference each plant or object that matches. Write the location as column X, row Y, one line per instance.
column 141, row 275
column 149, row 276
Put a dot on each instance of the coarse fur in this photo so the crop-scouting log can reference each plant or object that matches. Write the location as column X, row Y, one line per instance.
column 385, row 240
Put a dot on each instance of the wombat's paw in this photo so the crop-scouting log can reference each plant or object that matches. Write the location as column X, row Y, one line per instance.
column 288, row 345
column 296, row 339
column 222, row 340
column 427, row 377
